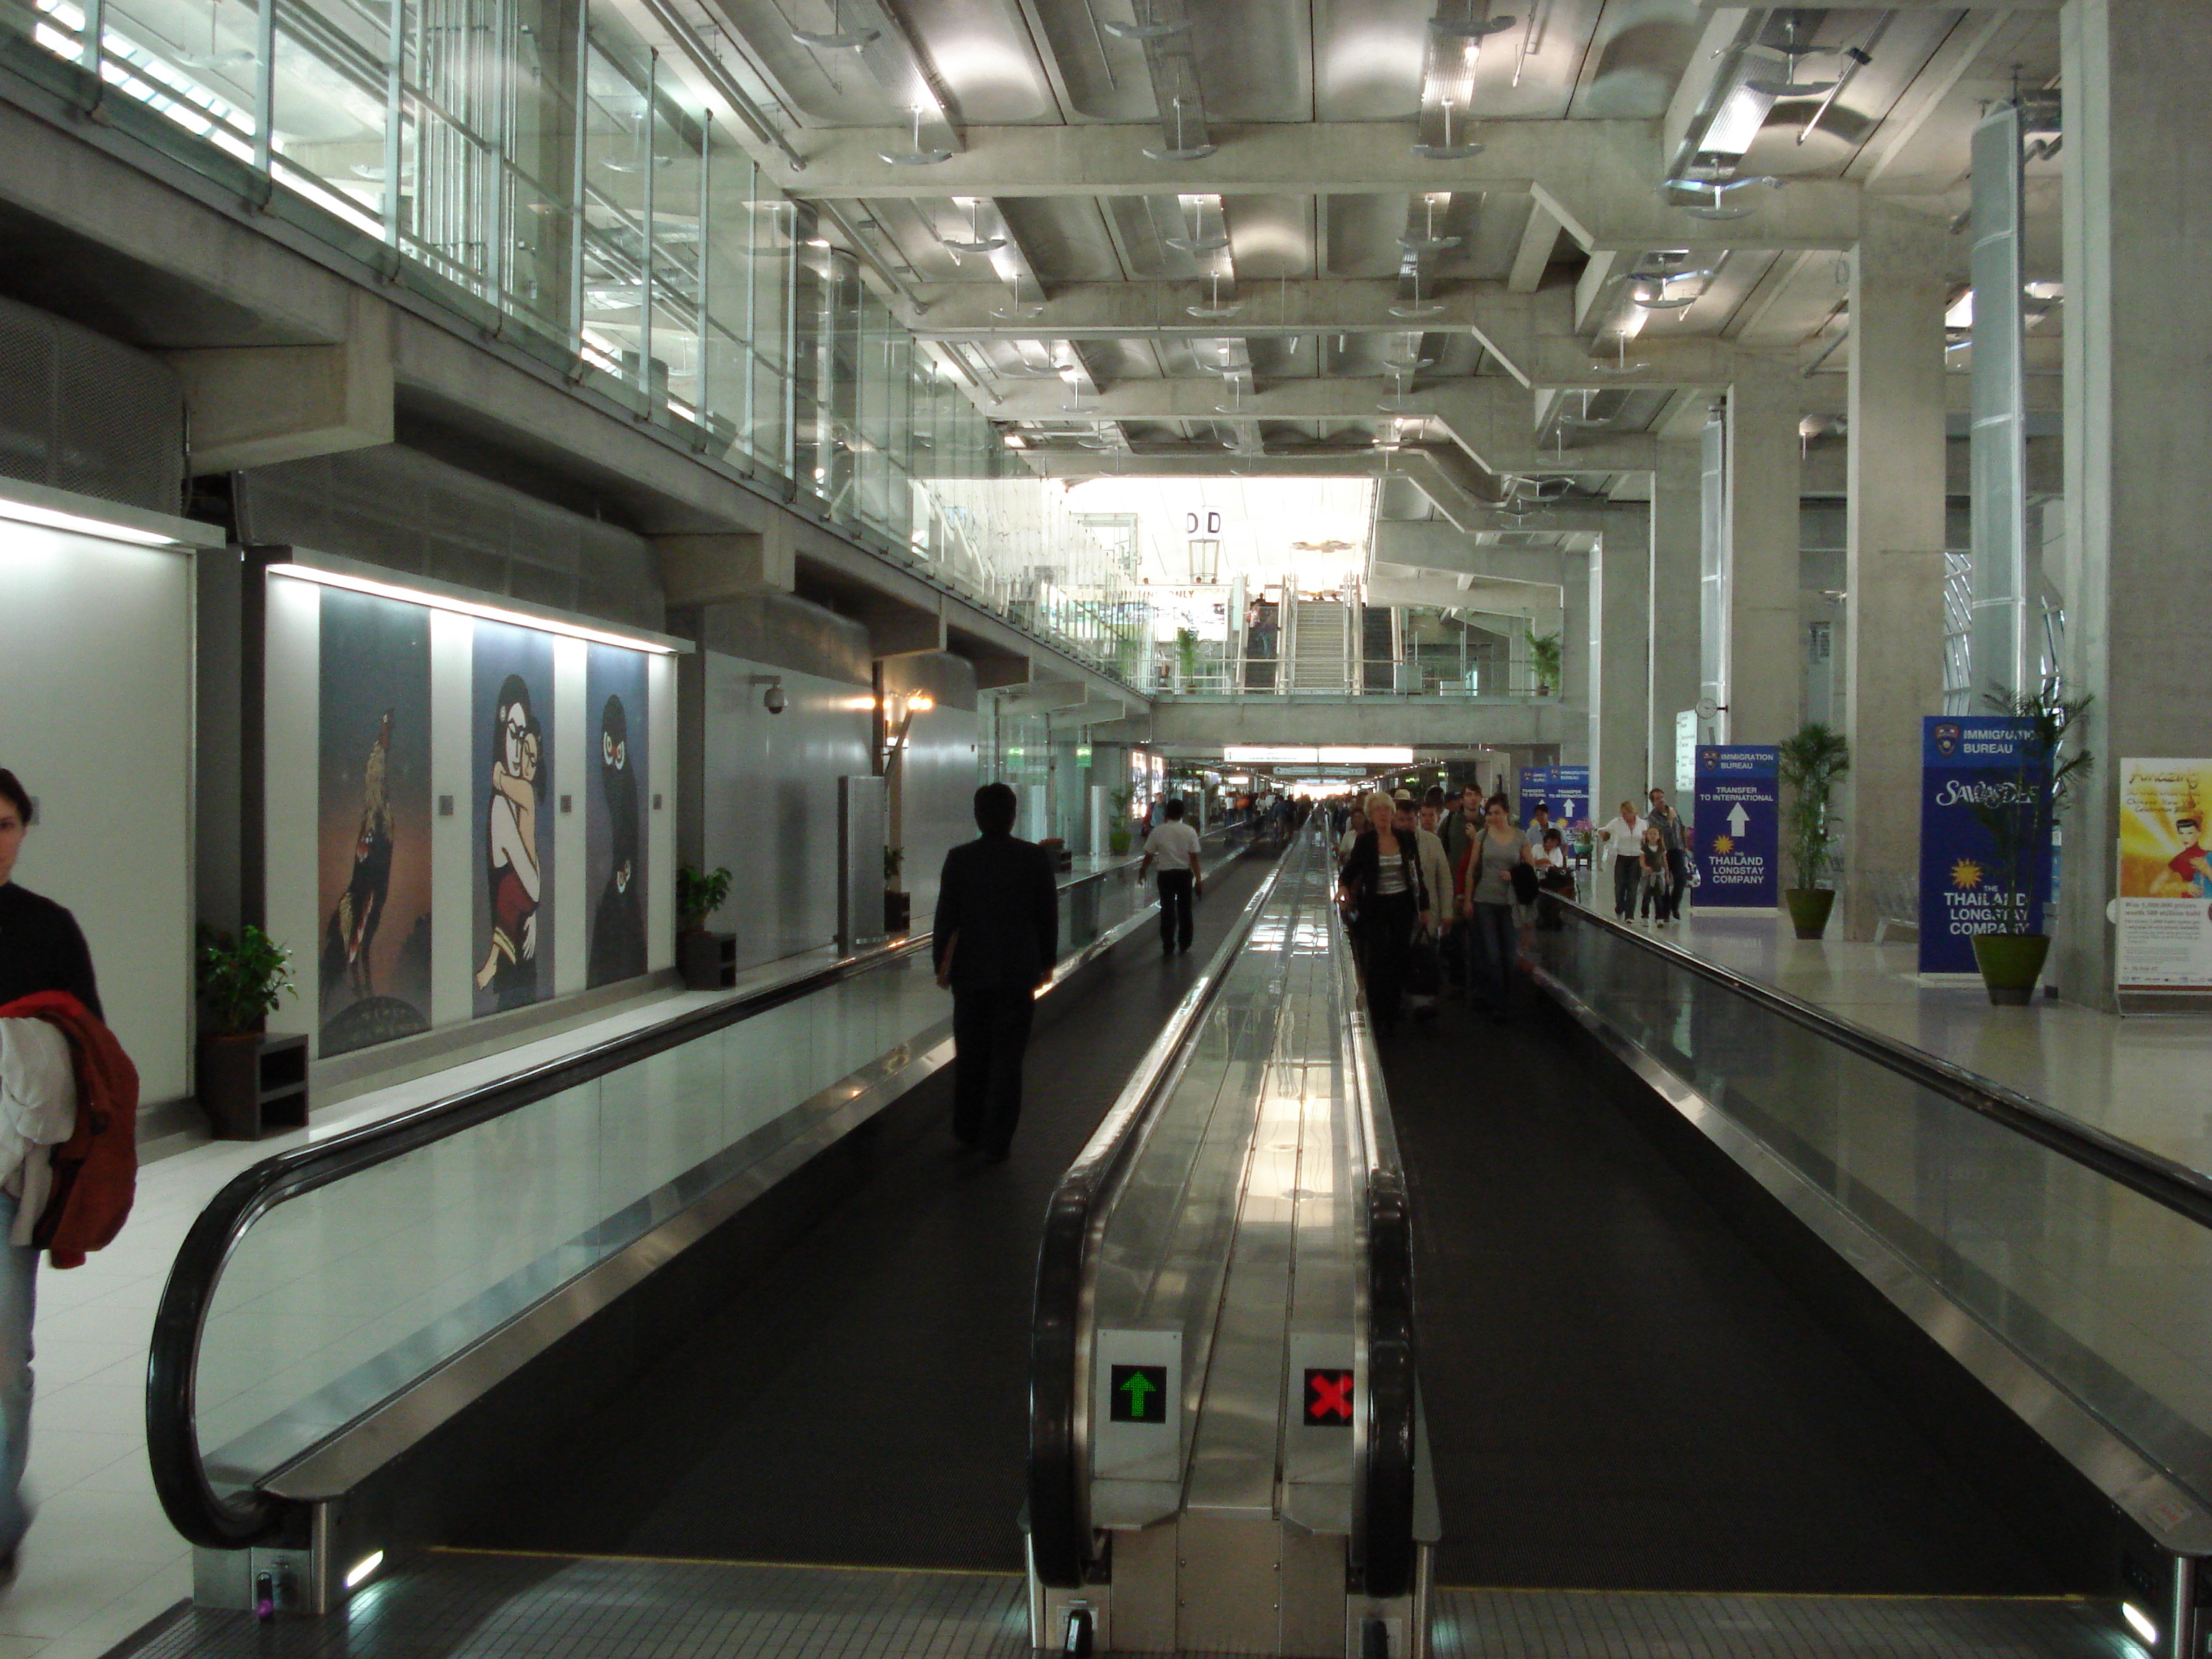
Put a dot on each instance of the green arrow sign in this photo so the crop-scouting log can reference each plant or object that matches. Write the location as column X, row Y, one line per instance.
column 1139, row 1393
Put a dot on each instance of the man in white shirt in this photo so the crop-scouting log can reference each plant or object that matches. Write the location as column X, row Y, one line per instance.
column 1174, row 844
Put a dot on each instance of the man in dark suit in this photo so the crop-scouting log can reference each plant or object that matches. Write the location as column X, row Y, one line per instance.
column 995, row 938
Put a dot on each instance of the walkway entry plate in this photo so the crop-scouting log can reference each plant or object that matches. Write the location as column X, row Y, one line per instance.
column 1136, row 1408
column 1326, row 1396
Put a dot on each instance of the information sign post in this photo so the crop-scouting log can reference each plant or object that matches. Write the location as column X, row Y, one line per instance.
column 1968, row 761
column 1738, row 827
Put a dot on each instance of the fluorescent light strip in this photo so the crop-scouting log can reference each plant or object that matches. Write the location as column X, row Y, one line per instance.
column 467, row 608
column 2139, row 1622
column 46, row 518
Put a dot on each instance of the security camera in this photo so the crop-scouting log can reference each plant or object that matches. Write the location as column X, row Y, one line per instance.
column 773, row 700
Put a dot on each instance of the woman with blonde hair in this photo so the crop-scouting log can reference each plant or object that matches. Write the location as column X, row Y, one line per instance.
column 1383, row 875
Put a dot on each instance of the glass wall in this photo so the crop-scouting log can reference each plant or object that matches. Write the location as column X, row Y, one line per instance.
column 544, row 171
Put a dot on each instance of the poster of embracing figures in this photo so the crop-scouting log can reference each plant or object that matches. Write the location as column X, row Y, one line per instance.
column 511, row 714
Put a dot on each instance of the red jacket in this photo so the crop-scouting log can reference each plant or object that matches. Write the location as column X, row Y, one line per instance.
column 96, row 1168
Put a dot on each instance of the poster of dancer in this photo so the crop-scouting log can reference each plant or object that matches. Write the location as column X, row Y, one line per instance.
column 373, row 852
column 614, row 809
column 511, row 713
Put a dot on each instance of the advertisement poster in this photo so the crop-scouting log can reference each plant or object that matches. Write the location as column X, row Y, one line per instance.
column 372, row 821
column 511, row 712
column 1968, row 760
column 2166, row 876
column 614, row 814
column 1739, row 827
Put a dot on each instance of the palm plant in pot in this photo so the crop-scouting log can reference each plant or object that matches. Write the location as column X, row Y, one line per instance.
column 243, row 978
column 2019, row 818
column 699, row 954
column 1812, row 758
column 1544, row 658
column 1117, row 837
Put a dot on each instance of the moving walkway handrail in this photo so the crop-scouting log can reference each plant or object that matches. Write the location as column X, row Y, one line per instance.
column 1384, row 1553
column 203, row 1516
column 2185, row 1191
column 1063, row 1548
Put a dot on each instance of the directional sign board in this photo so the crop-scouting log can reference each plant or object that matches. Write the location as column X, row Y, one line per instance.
column 1326, row 1394
column 1739, row 827
column 1136, row 1409
column 1966, row 760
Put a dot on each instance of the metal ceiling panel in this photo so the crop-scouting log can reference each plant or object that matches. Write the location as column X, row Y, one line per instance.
column 1064, row 237
column 1255, row 59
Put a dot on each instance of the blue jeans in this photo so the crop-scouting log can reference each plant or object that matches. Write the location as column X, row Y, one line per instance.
column 19, row 1269
column 1497, row 942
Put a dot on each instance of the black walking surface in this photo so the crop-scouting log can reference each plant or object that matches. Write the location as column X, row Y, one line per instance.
column 1620, row 1394
column 866, row 1400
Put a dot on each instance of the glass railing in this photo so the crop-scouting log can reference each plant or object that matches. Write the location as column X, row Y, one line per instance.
column 325, row 1282
column 587, row 188
column 2085, row 1256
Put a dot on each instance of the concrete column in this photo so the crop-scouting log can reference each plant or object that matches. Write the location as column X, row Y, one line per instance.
column 1577, row 617
column 1620, row 685
column 1672, row 603
column 2137, row 216
column 1761, row 667
column 1893, row 535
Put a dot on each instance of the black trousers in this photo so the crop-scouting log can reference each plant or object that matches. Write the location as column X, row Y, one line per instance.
column 1175, row 908
column 1678, row 878
column 990, row 1034
column 1496, row 948
column 1386, row 924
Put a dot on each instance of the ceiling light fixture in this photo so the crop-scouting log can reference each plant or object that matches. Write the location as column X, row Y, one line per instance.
column 977, row 242
column 1718, row 189
column 1428, row 241
column 1789, row 57
column 47, row 517
column 839, row 39
column 1479, row 29
column 1446, row 151
column 1181, row 151
column 1149, row 26
column 918, row 156
column 430, row 601
column 1216, row 307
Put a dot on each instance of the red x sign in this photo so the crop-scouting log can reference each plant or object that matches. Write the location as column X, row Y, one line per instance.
column 1328, row 1399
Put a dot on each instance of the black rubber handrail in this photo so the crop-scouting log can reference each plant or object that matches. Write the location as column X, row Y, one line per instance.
column 1384, row 1555
column 203, row 1516
column 2175, row 1186
column 1064, row 1549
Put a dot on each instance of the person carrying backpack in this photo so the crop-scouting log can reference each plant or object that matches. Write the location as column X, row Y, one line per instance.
column 69, row 1102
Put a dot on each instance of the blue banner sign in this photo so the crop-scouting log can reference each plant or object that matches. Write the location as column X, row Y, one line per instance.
column 1739, row 827
column 1536, row 789
column 1568, row 794
column 1966, row 760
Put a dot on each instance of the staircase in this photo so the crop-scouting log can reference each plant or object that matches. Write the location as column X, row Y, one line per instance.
column 1318, row 663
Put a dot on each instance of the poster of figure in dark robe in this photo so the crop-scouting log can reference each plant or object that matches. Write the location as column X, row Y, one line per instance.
column 373, row 831
column 512, row 712
column 615, row 699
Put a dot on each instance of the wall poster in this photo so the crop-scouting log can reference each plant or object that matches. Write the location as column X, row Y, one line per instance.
column 2166, row 876
column 1739, row 826
column 511, row 716
column 1966, row 760
column 372, row 821
column 614, row 813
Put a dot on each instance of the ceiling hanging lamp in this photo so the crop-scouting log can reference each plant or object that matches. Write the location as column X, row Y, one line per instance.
column 839, row 38
column 920, row 156
column 976, row 242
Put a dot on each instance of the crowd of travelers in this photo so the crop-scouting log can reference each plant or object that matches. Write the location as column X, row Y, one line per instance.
column 1441, row 895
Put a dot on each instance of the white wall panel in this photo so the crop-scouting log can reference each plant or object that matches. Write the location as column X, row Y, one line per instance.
column 97, row 722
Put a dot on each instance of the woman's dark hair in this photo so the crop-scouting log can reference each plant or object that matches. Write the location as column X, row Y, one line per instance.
column 511, row 690
column 1498, row 799
column 16, row 795
column 1551, row 835
column 994, row 809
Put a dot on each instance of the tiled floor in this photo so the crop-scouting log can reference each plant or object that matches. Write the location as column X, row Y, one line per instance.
column 2141, row 1078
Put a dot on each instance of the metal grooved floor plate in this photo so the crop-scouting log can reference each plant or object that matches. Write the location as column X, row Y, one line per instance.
column 448, row 1605
column 1605, row 1624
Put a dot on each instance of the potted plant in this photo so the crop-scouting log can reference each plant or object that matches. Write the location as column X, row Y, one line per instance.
column 1117, row 837
column 1813, row 757
column 247, row 1079
column 898, row 905
column 1543, row 657
column 1186, row 655
column 2019, row 822
column 702, row 957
